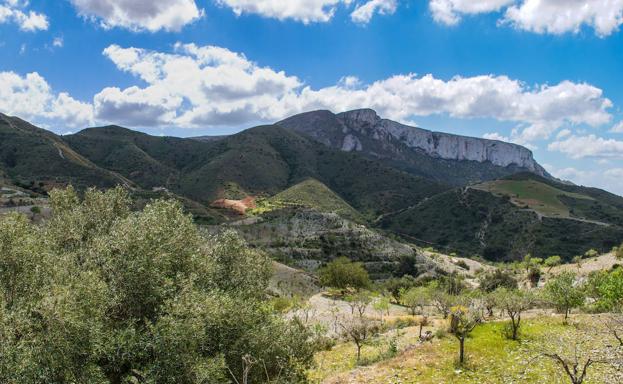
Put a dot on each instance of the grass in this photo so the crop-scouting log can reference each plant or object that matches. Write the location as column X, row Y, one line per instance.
column 490, row 359
column 313, row 194
column 541, row 197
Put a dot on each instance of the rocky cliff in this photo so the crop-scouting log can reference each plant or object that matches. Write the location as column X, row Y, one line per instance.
column 364, row 131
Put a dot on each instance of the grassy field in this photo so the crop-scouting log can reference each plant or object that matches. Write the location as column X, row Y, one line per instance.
column 490, row 359
column 313, row 194
column 532, row 194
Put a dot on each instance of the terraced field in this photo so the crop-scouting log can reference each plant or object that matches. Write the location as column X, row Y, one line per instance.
column 531, row 194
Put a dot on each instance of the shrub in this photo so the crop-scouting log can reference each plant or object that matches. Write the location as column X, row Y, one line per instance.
column 499, row 278
column 342, row 273
column 563, row 293
column 102, row 294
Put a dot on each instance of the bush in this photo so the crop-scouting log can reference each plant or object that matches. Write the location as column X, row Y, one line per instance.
column 499, row 278
column 101, row 294
column 342, row 273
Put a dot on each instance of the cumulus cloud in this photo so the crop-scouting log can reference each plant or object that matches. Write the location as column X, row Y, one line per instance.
column 194, row 86
column 14, row 11
column 207, row 86
column 610, row 179
column 558, row 17
column 32, row 98
column 449, row 12
column 140, row 15
column 539, row 16
column 578, row 147
column 618, row 128
column 306, row 11
column 363, row 13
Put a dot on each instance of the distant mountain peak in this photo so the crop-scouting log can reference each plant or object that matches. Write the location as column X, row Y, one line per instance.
column 364, row 131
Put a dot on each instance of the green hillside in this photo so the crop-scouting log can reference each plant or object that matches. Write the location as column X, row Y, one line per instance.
column 475, row 222
column 313, row 194
column 543, row 198
column 37, row 159
column 260, row 161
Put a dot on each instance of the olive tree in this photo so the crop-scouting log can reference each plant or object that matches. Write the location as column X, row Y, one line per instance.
column 563, row 292
column 342, row 273
column 103, row 294
column 552, row 262
column 463, row 320
column 514, row 303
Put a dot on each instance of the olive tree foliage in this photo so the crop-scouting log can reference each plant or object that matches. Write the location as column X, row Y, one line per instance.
column 463, row 320
column 101, row 294
column 564, row 293
column 342, row 273
column 514, row 303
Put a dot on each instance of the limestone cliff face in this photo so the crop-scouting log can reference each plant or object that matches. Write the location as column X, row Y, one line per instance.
column 363, row 130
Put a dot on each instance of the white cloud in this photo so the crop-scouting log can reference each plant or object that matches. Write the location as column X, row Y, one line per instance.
column 539, row 16
column 364, row 13
column 618, row 128
column 449, row 12
column 609, row 179
column 194, row 86
column 578, row 147
column 562, row 16
column 30, row 21
column 563, row 133
column 58, row 42
column 306, row 11
column 140, row 15
column 207, row 86
column 496, row 136
column 32, row 98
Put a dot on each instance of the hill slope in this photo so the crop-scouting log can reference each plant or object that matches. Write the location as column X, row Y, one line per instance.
column 472, row 221
column 313, row 194
column 260, row 161
column 36, row 159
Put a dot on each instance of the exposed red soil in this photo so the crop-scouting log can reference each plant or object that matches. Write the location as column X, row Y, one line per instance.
column 238, row 206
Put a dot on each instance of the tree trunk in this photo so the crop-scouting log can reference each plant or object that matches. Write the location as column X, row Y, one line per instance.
column 358, row 352
column 421, row 326
column 461, row 350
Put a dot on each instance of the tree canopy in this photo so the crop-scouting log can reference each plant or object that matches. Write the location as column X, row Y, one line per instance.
column 101, row 294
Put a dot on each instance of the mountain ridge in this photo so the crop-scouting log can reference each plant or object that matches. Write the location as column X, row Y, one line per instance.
column 364, row 131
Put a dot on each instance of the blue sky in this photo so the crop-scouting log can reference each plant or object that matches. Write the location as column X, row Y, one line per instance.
column 543, row 74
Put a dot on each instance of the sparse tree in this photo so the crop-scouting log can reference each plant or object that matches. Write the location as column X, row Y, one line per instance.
column 575, row 352
column 381, row 305
column 578, row 261
column 359, row 302
column 552, row 262
column 463, row 320
column 614, row 325
column 442, row 301
column 359, row 330
column 563, row 292
column 514, row 303
column 415, row 299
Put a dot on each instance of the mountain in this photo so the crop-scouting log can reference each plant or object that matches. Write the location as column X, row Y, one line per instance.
column 451, row 159
column 37, row 159
column 464, row 195
column 505, row 219
column 261, row 161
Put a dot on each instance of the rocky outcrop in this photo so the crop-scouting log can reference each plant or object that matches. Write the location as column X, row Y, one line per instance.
column 364, row 131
